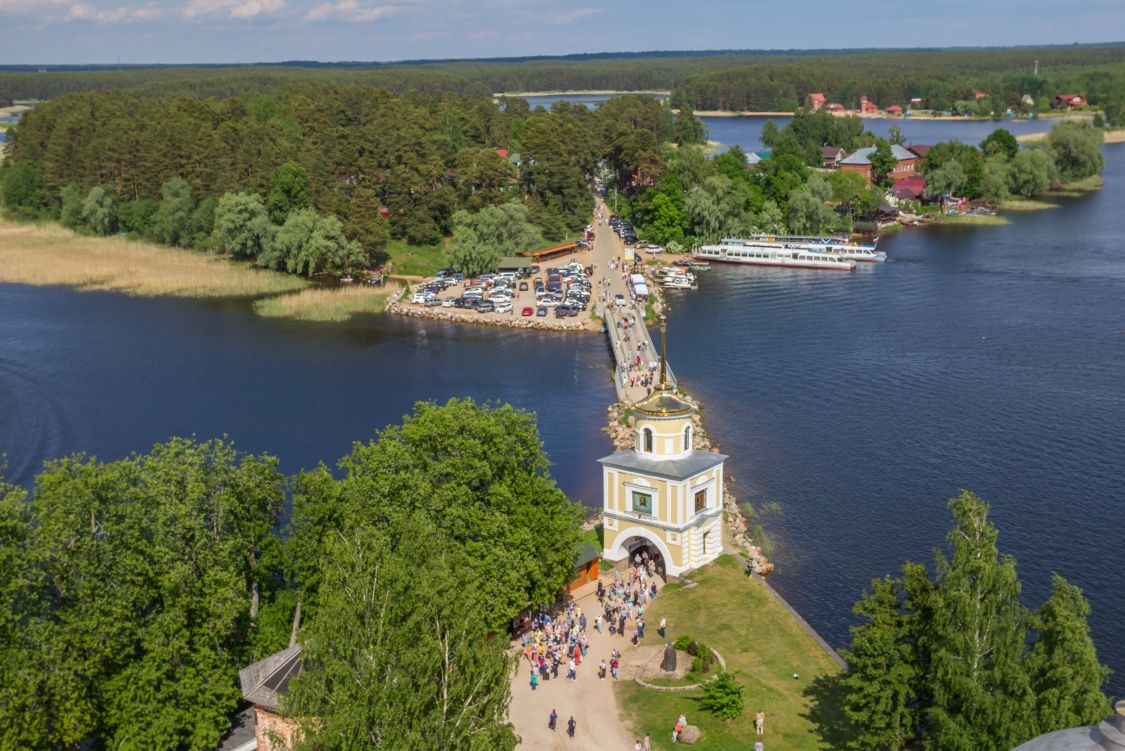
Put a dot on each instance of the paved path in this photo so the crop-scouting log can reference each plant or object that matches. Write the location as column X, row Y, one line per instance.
column 591, row 701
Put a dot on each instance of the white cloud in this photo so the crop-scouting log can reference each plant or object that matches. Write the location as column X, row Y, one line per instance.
column 350, row 10
column 576, row 15
column 232, row 8
column 84, row 12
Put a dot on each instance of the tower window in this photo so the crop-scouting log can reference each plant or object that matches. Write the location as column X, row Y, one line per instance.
column 687, row 438
column 642, row 503
column 700, row 501
column 647, row 433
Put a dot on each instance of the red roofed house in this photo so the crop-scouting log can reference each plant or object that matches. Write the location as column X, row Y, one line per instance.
column 978, row 95
column 831, row 157
column 867, row 106
column 894, row 109
column 834, row 107
column 816, row 101
column 919, row 149
column 910, row 188
column 503, row 152
column 1070, row 100
column 906, row 162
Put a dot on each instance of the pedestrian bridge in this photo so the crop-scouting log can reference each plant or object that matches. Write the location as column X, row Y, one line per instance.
column 625, row 352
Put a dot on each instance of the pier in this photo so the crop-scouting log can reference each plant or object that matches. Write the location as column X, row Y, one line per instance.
column 629, row 343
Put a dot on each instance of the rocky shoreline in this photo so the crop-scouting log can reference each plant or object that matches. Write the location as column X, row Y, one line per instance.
column 737, row 529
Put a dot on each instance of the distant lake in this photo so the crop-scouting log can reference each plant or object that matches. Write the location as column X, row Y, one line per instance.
column 746, row 131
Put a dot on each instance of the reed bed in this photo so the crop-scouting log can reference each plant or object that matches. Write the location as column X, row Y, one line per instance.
column 1027, row 204
column 325, row 304
column 48, row 255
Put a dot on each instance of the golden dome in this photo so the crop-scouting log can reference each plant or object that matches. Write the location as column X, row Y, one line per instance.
column 664, row 402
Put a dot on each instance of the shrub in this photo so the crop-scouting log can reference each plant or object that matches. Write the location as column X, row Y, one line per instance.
column 682, row 643
column 722, row 696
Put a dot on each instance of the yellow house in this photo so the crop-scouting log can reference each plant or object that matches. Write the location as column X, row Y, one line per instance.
column 663, row 496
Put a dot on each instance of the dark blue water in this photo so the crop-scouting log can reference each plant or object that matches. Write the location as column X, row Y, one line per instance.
column 991, row 359
column 111, row 375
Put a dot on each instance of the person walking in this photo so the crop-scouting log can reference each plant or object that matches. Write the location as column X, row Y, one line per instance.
column 534, row 680
column 553, row 720
column 760, row 723
column 571, row 725
column 646, row 745
column 663, row 626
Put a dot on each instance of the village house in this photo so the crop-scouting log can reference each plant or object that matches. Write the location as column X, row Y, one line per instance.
column 835, row 108
column 860, row 162
column 915, row 102
column 815, row 101
column 264, row 684
column 752, row 159
column 867, row 107
column 909, row 188
column 894, row 109
column 919, row 150
column 978, row 95
column 663, row 496
column 831, row 157
column 1070, row 100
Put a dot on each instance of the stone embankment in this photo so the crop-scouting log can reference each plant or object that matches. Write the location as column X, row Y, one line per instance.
column 620, row 432
column 513, row 320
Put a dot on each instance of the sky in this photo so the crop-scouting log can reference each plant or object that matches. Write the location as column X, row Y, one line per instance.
column 239, row 31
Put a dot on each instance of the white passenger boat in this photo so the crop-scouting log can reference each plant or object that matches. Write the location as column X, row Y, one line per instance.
column 840, row 247
column 761, row 253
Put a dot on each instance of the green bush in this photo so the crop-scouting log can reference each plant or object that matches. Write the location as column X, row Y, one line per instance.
column 682, row 643
column 722, row 696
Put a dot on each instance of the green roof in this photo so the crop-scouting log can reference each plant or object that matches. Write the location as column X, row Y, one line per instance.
column 584, row 553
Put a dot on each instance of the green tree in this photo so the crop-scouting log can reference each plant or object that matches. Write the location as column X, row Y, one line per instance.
column 1077, row 147
column 809, row 214
column 136, row 217
column 398, row 654
column 769, row 134
column 723, row 696
column 1065, row 673
column 896, row 137
column 1000, row 142
column 99, row 211
column 70, row 213
column 1029, row 174
column 173, row 218
column 969, row 158
column 980, row 688
column 21, row 190
column 994, row 183
column 480, row 240
column 289, row 191
column 202, row 225
column 241, row 227
column 308, row 243
column 881, row 681
column 946, row 180
column 689, row 128
column 883, row 163
column 479, row 474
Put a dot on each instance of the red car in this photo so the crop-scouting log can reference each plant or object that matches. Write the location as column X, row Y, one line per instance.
column 526, row 312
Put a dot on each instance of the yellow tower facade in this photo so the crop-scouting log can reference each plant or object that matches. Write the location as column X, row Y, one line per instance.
column 662, row 496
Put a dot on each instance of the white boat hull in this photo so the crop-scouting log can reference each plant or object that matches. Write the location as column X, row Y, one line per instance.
column 762, row 254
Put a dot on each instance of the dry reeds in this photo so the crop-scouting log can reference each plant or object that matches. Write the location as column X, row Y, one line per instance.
column 325, row 304
column 49, row 254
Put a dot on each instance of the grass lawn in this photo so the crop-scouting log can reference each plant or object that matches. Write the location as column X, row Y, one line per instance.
column 982, row 220
column 1027, row 204
column 762, row 644
column 1079, row 188
column 415, row 260
column 326, row 304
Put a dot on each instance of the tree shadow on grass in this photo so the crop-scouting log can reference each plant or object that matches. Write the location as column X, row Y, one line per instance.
column 826, row 711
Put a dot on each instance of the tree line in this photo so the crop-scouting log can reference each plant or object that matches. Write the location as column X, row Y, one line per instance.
column 134, row 590
column 954, row 660
column 690, row 199
column 338, row 172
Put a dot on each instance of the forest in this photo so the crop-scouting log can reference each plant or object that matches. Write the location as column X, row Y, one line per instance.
column 736, row 80
column 319, row 177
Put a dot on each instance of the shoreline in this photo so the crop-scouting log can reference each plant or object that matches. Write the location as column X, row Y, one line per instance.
column 1109, row 135
column 586, row 92
column 395, row 306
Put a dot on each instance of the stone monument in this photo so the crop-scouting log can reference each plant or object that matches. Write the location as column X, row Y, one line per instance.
column 669, row 663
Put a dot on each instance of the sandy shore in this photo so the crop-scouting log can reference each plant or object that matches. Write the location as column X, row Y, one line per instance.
column 734, row 113
column 1109, row 136
column 591, row 92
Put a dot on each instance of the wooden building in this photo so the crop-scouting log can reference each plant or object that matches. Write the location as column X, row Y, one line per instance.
column 815, row 101
column 264, row 684
column 860, row 162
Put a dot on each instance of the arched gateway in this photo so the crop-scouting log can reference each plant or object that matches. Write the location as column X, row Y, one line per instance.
column 662, row 492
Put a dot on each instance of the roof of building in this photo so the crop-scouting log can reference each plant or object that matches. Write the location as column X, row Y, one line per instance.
column 664, row 402
column 752, row 158
column 674, row 469
column 1108, row 735
column 816, row 97
column 584, row 553
column 834, row 106
column 863, row 156
column 831, row 152
column 920, row 149
column 894, row 108
column 266, row 681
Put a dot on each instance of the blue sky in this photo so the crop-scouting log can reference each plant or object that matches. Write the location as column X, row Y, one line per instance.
column 231, row 31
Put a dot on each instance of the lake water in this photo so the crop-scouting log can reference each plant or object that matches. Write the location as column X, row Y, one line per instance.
column 746, row 131
column 984, row 358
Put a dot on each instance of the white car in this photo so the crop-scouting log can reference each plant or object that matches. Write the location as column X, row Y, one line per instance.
column 503, row 307
column 448, row 302
column 619, row 301
column 420, row 298
column 500, row 296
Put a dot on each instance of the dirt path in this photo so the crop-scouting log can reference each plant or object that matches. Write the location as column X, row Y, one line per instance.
column 588, row 699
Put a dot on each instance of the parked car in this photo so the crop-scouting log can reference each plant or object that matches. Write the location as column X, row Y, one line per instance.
column 419, row 298
column 449, row 302
column 523, row 287
column 540, row 311
column 503, row 307
column 432, row 302
column 485, row 306
column 528, row 311
column 619, row 301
